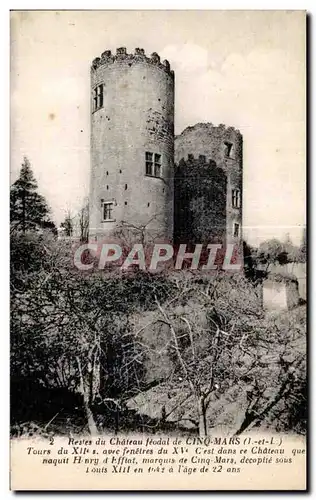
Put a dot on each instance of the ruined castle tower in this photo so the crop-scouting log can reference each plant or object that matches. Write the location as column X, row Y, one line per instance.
column 219, row 152
column 132, row 144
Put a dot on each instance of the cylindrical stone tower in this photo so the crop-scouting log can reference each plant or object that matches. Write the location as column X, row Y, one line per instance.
column 132, row 145
column 224, row 146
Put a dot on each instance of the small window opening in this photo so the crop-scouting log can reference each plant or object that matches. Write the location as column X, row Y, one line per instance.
column 236, row 230
column 98, row 97
column 157, row 165
column 228, row 149
column 149, row 163
column 235, row 198
column 107, row 210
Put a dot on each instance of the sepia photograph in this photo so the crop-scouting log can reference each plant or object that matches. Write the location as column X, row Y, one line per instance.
column 158, row 250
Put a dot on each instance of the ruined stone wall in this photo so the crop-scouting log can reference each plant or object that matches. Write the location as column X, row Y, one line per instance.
column 280, row 295
column 137, row 116
column 222, row 145
column 274, row 295
column 200, row 201
column 298, row 269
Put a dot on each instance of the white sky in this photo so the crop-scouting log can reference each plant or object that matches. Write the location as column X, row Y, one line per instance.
column 241, row 68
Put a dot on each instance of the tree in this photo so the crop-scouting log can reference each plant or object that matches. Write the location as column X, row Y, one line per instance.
column 277, row 381
column 145, row 233
column 250, row 262
column 221, row 349
column 274, row 251
column 291, row 251
column 271, row 252
column 28, row 209
column 70, row 330
column 91, row 335
column 77, row 225
column 303, row 247
column 68, row 224
column 61, row 331
column 202, row 337
column 84, row 223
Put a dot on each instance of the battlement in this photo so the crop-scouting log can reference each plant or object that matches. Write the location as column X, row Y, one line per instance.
column 220, row 129
column 199, row 159
column 121, row 56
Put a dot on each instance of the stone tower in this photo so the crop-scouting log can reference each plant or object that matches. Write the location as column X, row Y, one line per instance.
column 222, row 147
column 132, row 144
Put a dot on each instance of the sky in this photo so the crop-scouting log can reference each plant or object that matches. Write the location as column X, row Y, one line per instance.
column 242, row 68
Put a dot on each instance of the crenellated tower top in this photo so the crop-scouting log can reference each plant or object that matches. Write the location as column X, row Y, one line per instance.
column 121, row 56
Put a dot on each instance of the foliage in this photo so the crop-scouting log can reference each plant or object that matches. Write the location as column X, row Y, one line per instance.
column 99, row 340
column 68, row 224
column 77, row 225
column 70, row 329
column 84, row 223
column 222, row 349
column 258, row 261
column 28, row 209
column 271, row 252
column 303, row 247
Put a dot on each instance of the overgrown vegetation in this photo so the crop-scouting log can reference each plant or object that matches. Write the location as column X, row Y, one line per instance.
column 258, row 261
column 87, row 349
